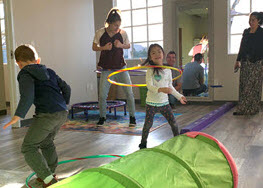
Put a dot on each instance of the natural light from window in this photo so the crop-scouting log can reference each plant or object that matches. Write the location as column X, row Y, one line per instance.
column 2, row 22
column 143, row 22
column 238, row 20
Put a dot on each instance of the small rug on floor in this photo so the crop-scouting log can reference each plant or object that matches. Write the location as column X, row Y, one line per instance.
column 120, row 125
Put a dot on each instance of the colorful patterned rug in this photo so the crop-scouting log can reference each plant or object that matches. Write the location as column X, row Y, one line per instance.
column 112, row 125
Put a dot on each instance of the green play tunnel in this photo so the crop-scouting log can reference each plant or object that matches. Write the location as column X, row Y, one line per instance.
column 187, row 161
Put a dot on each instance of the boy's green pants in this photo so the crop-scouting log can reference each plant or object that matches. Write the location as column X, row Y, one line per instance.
column 40, row 135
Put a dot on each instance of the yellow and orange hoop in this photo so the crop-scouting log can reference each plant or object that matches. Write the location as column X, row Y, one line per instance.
column 139, row 67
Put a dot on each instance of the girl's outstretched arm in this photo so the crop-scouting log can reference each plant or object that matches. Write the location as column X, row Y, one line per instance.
column 175, row 93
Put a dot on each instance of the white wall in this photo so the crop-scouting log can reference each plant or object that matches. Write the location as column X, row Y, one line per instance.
column 169, row 26
column 223, row 63
column 62, row 32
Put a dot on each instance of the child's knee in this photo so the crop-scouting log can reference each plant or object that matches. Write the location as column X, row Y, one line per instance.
column 47, row 145
column 28, row 148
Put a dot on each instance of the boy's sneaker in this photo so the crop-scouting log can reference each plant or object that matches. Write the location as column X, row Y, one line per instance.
column 101, row 121
column 41, row 181
column 53, row 181
column 132, row 122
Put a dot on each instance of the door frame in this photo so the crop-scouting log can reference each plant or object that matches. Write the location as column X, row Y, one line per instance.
column 179, row 5
column 11, row 64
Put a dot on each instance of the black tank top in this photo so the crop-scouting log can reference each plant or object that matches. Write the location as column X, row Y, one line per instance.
column 111, row 59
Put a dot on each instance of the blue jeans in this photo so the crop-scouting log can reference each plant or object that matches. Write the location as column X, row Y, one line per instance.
column 104, row 88
column 194, row 92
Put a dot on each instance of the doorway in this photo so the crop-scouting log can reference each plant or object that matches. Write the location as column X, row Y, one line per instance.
column 194, row 28
column 4, row 95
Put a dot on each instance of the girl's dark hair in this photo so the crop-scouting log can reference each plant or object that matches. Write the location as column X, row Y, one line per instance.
column 259, row 16
column 150, row 62
column 114, row 15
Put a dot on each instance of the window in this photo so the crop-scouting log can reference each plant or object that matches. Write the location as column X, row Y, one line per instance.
column 2, row 22
column 238, row 20
column 143, row 22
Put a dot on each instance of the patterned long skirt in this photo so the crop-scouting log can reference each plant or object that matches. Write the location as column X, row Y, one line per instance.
column 250, row 88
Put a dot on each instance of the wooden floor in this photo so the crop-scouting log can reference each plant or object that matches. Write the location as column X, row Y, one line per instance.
column 242, row 136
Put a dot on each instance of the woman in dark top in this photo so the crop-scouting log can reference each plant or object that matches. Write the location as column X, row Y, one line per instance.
column 110, row 41
column 250, row 61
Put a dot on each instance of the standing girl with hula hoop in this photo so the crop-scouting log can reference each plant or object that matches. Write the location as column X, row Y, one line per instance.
column 159, row 84
column 111, row 40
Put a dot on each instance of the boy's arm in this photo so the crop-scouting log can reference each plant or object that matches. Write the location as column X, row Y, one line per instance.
column 13, row 121
column 65, row 88
column 27, row 93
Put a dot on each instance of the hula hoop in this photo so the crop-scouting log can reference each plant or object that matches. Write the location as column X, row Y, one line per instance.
column 139, row 67
column 99, row 71
column 73, row 160
column 102, row 70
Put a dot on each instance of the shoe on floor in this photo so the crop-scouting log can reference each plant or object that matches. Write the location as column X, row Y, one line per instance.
column 238, row 113
column 53, row 181
column 41, row 181
column 142, row 145
column 101, row 121
column 132, row 122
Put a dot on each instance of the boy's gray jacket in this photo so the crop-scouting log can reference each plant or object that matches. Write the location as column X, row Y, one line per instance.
column 42, row 87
